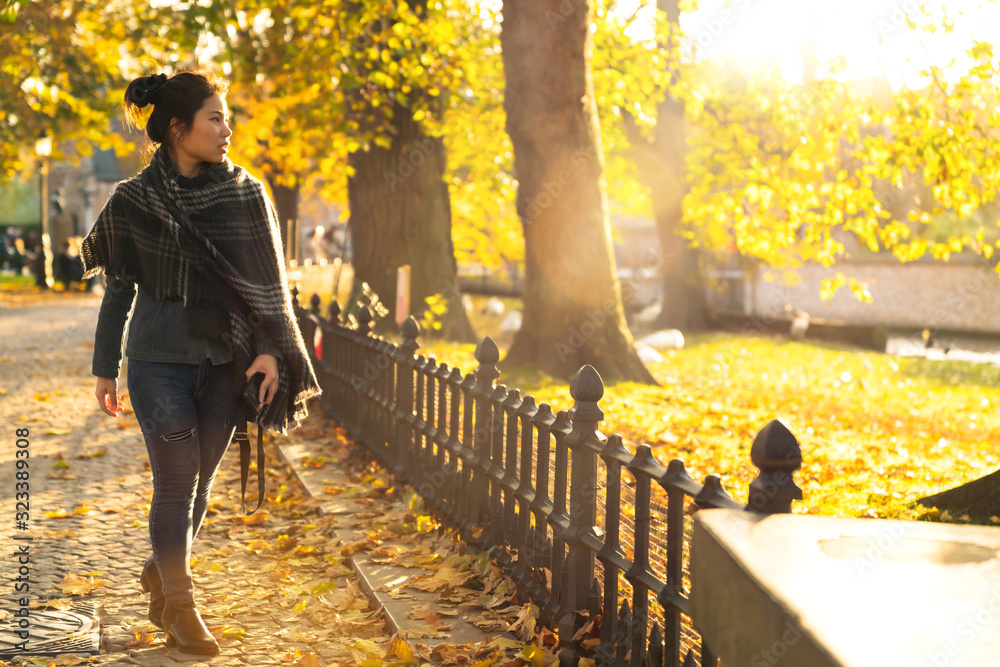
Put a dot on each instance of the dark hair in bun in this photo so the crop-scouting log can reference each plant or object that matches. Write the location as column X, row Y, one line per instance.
column 179, row 96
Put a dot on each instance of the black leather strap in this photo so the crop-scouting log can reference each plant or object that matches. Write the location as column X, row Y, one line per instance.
column 241, row 437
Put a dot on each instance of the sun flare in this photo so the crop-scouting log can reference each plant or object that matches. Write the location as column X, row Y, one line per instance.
column 860, row 39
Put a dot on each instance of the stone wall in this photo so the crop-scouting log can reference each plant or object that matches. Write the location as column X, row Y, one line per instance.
column 961, row 295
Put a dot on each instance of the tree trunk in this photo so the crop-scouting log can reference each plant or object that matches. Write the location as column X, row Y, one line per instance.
column 979, row 498
column 661, row 162
column 573, row 311
column 401, row 214
column 286, row 203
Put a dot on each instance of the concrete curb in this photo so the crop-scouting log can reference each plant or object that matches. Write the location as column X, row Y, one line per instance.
column 377, row 580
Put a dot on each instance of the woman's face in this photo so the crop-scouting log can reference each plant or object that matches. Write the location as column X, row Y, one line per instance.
column 208, row 138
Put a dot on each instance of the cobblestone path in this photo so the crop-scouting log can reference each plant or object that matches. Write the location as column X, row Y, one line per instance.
column 90, row 487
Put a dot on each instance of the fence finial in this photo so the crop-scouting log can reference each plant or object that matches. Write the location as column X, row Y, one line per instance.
column 586, row 388
column 409, row 330
column 314, row 304
column 587, row 385
column 487, row 351
column 333, row 312
column 586, row 442
column 777, row 455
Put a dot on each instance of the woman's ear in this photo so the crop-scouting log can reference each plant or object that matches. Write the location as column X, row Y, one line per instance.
column 176, row 129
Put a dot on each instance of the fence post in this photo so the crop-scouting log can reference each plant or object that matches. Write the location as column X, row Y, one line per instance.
column 386, row 400
column 525, row 494
column 327, row 368
column 467, row 456
column 442, row 454
column 614, row 455
column 674, row 480
column 495, row 470
column 403, row 409
column 509, row 482
column 644, row 468
column 363, row 362
column 486, row 373
column 559, row 519
column 585, row 442
column 454, row 446
column 541, row 507
column 777, row 455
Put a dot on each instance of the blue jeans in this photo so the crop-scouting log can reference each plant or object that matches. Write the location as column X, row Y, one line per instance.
column 188, row 417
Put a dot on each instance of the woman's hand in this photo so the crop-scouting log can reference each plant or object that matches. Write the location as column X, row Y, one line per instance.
column 268, row 365
column 107, row 396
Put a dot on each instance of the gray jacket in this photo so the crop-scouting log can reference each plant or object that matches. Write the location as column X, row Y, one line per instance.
column 157, row 332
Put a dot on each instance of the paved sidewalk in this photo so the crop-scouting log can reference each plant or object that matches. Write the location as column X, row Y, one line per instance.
column 288, row 586
column 94, row 470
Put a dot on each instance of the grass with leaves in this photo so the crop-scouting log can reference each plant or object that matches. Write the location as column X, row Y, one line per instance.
column 877, row 431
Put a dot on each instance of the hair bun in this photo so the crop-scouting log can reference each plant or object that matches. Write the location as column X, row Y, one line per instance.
column 146, row 87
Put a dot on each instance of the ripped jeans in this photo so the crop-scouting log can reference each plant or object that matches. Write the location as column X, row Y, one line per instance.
column 188, row 418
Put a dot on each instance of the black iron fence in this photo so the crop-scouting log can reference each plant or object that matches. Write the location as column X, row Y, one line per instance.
column 572, row 514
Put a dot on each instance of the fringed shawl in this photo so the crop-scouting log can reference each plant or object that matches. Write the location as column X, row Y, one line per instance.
column 228, row 269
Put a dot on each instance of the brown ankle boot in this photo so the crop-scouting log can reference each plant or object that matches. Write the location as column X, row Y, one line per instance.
column 151, row 583
column 187, row 631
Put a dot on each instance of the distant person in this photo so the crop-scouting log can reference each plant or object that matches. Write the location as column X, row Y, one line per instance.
column 190, row 240
column 69, row 265
column 318, row 245
column 38, row 266
column 19, row 259
column 11, row 255
column 334, row 238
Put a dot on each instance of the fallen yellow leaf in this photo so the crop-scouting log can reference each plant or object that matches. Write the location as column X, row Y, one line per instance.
column 487, row 661
column 73, row 584
column 256, row 519
column 62, row 604
column 140, row 639
column 89, row 455
column 399, row 648
column 308, row 660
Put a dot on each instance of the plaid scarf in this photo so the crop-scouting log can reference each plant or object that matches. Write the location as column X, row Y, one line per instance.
column 228, row 269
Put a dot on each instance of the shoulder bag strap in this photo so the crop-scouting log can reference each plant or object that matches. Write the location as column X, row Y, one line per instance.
column 241, row 437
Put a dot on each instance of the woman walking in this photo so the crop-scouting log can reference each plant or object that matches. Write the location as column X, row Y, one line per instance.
column 194, row 240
